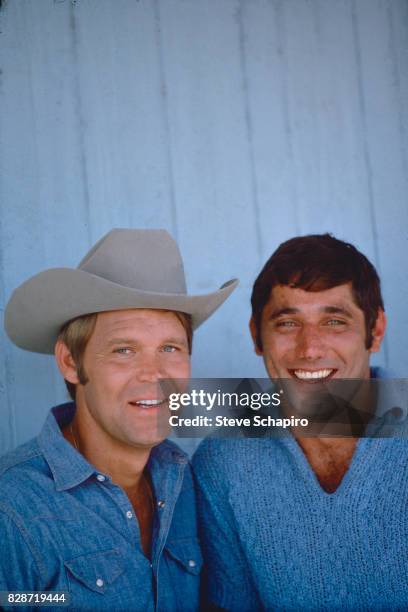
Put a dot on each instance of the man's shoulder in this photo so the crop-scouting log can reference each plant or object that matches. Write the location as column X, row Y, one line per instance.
column 169, row 450
column 227, row 445
column 19, row 459
column 228, row 455
column 20, row 469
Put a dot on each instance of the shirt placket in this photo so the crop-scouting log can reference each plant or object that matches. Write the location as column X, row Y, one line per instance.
column 130, row 522
column 167, row 484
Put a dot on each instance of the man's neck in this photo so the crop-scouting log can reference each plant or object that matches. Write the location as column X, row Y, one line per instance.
column 124, row 464
column 329, row 458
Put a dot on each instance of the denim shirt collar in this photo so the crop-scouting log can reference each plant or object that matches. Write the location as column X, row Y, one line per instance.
column 69, row 468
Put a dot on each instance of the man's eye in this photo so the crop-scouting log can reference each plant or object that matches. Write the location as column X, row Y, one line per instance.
column 335, row 322
column 123, row 350
column 168, row 348
column 286, row 324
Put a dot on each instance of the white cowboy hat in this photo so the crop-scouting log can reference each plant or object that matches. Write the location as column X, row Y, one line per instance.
column 127, row 268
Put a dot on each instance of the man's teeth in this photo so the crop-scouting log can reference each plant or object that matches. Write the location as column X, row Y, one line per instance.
column 148, row 402
column 309, row 375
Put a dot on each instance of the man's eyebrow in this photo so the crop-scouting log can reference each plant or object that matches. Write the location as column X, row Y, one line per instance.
column 119, row 340
column 174, row 340
column 338, row 310
column 275, row 314
column 130, row 341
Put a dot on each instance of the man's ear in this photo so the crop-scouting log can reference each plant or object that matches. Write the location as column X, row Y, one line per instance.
column 252, row 329
column 65, row 363
column 378, row 331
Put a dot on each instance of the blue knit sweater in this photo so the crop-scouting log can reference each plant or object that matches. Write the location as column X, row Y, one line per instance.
column 273, row 539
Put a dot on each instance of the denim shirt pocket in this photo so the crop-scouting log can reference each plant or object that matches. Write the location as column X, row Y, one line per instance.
column 186, row 552
column 183, row 561
column 96, row 571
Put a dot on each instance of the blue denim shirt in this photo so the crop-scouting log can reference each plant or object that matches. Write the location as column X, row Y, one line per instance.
column 66, row 527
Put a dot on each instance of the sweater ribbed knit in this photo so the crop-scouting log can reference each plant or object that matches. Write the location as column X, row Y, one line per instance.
column 274, row 539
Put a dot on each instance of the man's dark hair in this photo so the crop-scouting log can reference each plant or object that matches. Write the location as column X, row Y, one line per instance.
column 315, row 263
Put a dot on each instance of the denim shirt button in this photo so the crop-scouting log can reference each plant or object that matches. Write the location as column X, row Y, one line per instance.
column 99, row 582
column 192, row 563
column 161, row 503
column 101, row 477
column 129, row 514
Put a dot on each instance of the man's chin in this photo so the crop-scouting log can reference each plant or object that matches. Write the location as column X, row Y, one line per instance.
column 306, row 399
column 146, row 442
column 148, row 436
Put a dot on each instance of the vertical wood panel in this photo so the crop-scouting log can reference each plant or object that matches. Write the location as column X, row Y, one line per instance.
column 125, row 134
column 385, row 146
column 212, row 167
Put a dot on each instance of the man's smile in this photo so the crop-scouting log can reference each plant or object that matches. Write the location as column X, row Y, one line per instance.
column 149, row 403
column 312, row 375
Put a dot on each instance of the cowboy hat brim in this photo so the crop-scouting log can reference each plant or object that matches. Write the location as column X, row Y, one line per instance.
column 43, row 304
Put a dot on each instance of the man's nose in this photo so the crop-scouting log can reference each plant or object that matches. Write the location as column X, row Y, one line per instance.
column 149, row 368
column 310, row 343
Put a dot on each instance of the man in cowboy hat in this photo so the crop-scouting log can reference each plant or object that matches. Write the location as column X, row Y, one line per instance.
column 99, row 505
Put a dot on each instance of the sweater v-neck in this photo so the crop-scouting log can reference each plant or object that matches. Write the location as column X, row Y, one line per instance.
column 351, row 475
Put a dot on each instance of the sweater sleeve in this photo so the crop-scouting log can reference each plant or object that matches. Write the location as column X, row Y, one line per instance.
column 227, row 582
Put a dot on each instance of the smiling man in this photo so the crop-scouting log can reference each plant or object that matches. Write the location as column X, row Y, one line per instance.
column 316, row 523
column 100, row 506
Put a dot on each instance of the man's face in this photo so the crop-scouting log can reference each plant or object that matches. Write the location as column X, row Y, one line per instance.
column 128, row 354
column 315, row 336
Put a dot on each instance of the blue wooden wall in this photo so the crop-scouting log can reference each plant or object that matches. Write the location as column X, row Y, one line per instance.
column 234, row 124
